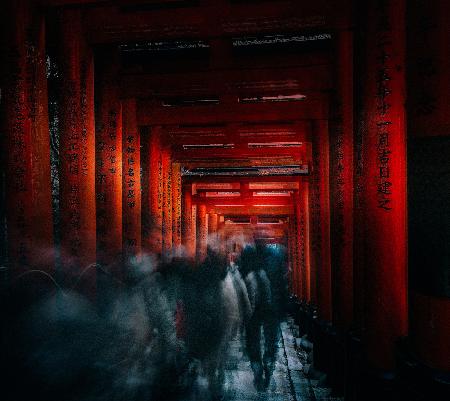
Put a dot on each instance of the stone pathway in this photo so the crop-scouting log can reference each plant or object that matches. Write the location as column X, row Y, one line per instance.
column 290, row 381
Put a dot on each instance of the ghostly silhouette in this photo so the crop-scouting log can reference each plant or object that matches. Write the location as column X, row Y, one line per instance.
column 263, row 271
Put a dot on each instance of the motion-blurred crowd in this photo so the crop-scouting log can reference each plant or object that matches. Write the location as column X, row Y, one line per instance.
column 155, row 336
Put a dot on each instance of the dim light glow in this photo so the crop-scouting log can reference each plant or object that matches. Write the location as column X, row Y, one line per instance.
column 272, row 193
column 209, row 146
column 278, row 98
column 274, row 144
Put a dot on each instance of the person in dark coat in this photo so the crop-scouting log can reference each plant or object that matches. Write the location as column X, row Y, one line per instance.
column 265, row 291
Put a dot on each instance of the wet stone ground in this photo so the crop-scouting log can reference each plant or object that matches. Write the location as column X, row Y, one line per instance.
column 290, row 380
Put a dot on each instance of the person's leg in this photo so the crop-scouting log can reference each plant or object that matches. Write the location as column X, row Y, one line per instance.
column 271, row 339
column 253, row 345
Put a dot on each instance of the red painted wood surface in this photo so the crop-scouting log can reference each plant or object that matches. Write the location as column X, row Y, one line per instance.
column 188, row 235
column 384, row 152
column 166, row 201
column 156, row 191
column 213, row 221
column 341, row 183
column 18, row 135
column 131, row 181
column 298, row 245
column 320, row 221
column 310, row 80
column 43, row 249
column 304, row 241
column 176, row 206
column 148, row 114
column 76, row 185
column 202, row 232
column 292, row 256
column 109, row 25
column 109, row 171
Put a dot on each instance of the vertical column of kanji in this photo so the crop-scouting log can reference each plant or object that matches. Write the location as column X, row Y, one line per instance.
column 188, row 233
column 87, row 164
column 385, row 180
column 131, row 181
column 341, row 183
column 109, row 166
column 176, row 206
column 77, row 246
column 202, row 232
column 320, row 217
column 42, row 220
column 17, row 127
column 156, row 190
column 304, row 239
column 194, row 237
column 167, row 201
column 300, row 252
column 144, row 134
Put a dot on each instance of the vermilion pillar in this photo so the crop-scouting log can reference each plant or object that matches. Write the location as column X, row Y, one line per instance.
column 293, row 254
column 17, row 127
column 320, row 217
column 202, row 231
column 384, row 154
column 298, row 265
column 188, row 235
column 166, row 201
column 176, row 205
column 76, row 184
column 213, row 222
column 156, row 190
column 301, row 235
column 109, row 167
column 341, row 183
column 194, row 237
column 221, row 234
column 304, row 240
column 42, row 220
column 131, row 181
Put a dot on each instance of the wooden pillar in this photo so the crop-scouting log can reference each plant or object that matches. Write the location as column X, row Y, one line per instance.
column 384, row 153
column 109, row 167
column 302, row 243
column 221, row 234
column 293, row 254
column 76, row 184
column 156, row 190
column 144, row 133
column 42, row 219
column 194, row 237
column 131, row 181
column 304, row 240
column 213, row 222
column 320, row 219
column 202, row 232
column 176, row 206
column 187, row 223
column 167, row 202
column 341, row 183
column 17, row 127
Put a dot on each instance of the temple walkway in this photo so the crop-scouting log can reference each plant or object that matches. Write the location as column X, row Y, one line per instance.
column 290, row 381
